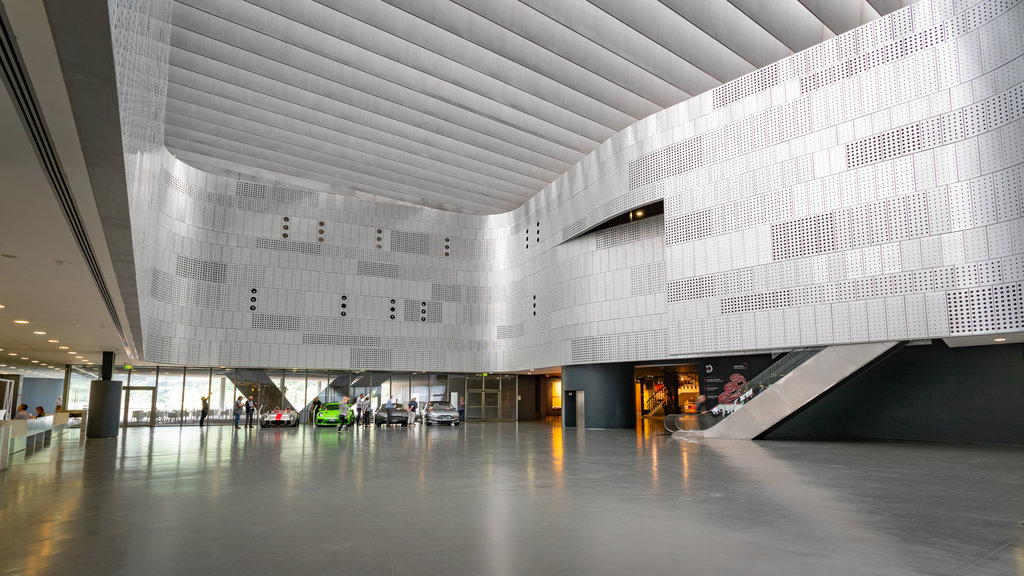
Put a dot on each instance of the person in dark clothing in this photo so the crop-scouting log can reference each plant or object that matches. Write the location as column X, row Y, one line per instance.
column 205, row 412
column 462, row 409
column 250, row 409
column 314, row 407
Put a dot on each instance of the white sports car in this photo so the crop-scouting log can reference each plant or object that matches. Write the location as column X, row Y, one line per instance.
column 279, row 418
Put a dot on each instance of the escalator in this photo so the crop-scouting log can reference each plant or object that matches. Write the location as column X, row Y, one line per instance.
column 793, row 383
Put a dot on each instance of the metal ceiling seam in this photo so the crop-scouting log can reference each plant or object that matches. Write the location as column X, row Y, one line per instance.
column 266, row 67
column 341, row 186
column 555, row 66
column 509, row 147
column 573, row 15
column 379, row 120
column 752, row 8
column 557, row 132
column 370, row 147
column 220, row 167
column 739, row 23
column 380, row 138
column 390, row 173
column 477, row 82
column 594, row 50
column 354, row 153
column 306, row 164
column 506, row 63
column 539, row 86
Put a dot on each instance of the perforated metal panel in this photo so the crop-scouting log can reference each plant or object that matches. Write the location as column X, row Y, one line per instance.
column 868, row 188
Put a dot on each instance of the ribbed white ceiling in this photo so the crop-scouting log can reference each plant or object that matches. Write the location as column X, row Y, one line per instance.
column 469, row 105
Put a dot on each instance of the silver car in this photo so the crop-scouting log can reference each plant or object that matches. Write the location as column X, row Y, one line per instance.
column 279, row 418
column 441, row 413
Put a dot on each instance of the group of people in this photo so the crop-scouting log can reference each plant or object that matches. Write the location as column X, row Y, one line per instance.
column 24, row 414
column 360, row 412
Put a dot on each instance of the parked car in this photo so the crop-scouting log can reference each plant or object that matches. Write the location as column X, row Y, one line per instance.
column 330, row 412
column 279, row 418
column 441, row 413
column 399, row 415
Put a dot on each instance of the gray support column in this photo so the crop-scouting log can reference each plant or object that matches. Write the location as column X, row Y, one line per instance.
column 609, row 394
column 104, row 402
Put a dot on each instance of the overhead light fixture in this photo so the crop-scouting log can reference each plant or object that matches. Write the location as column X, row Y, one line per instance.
column 52, row 341
column 11, row 354
column 24, row 357
column 2, row 306
column 1000, row 339
column 35, row 361
column 21, row 321
column 40, row 332
column 62, row 347
column 72, row 353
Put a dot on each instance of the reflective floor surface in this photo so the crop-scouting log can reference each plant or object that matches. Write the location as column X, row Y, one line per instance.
column 504, row 498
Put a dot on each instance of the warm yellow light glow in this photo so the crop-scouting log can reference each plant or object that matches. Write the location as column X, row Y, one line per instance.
column 52, row 341
column 40, row 332
column 21, row 321
column 556, row 394
column 639, row 213
column 62, row 347
column 1000, row 339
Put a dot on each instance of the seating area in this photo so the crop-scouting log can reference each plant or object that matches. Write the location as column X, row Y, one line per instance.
column 29, row 435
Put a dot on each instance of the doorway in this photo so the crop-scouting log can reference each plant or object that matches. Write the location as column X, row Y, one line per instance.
column 139, row 406
column 574, row 413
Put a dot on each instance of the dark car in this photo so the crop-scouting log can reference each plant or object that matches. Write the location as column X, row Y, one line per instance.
column 399, row 415
column 441, row 413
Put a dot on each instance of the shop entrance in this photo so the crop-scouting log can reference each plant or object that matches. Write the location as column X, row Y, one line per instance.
column 662, row 389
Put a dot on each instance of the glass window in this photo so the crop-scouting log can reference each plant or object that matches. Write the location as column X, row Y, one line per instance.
column 419, row 387
column 294, row 388
column 169, row 389
column 222, row 393
column 78, row 388
column 197, row 385
column 439, row 388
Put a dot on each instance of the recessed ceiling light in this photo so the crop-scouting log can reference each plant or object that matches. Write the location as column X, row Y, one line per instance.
column 40, row 332
column 2, row 306
column 62, row 347
column 24, row 357
column 80, row 357
column 1000, row 339
column 21, row 321
column 52, row 341
column 11, row 354
column 35, row 361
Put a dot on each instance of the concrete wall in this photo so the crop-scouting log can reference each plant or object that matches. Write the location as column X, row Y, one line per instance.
column 931, row 393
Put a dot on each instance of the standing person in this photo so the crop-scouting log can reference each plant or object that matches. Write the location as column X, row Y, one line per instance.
column 239, row 406
column 205, row 412
column 314, row 407
column 359, row 409
column 462, row 409
column 389, row 407
column 250, row 408
column 413, row 405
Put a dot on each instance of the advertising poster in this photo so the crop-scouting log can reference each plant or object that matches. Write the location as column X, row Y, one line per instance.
column 724, row 381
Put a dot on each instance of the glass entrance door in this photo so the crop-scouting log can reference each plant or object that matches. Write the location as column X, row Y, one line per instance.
column 139, row 406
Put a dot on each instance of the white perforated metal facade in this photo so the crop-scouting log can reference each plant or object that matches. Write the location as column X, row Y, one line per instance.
column 868, row 188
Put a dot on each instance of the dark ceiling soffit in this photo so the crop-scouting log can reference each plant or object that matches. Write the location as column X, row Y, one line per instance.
column 81, row 33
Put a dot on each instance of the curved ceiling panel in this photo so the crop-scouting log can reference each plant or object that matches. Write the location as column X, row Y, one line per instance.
column 469, row 106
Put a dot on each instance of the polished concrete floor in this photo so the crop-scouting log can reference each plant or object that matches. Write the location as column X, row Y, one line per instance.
column 500, row 499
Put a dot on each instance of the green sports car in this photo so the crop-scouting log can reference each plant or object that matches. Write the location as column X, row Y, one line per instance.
column 330, row 413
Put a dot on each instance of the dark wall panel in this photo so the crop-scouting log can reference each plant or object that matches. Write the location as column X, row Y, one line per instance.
column 930, row 393
column 609, row 393
column 527, row 403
